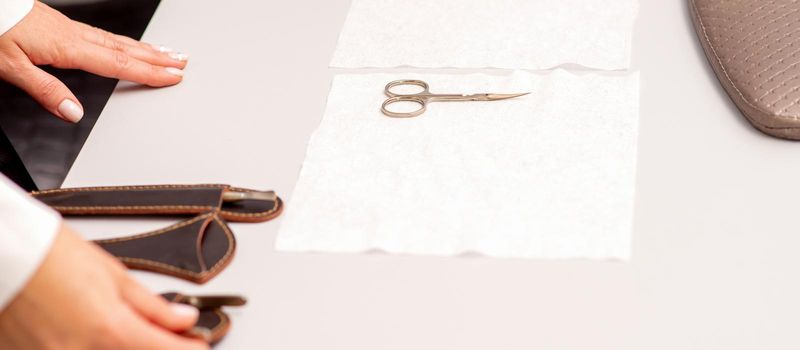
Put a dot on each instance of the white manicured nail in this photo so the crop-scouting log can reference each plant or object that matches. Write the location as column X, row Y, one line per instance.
column 184, row 310
column 179, row 56
column 174, row 71
column 70, row 110
column 162, row 48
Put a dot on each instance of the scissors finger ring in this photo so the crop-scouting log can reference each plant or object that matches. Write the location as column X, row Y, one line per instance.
column 391, row 100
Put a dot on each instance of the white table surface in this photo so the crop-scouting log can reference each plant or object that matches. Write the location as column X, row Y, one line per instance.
column 715, row 244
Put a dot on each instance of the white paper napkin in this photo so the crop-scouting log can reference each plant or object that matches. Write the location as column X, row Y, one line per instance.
column 517, row 34
column 548, row 175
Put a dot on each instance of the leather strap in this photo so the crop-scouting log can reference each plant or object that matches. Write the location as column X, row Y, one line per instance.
column 195, row 250
column 160, row 200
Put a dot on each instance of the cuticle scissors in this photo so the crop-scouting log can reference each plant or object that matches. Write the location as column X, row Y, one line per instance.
column 423, row 97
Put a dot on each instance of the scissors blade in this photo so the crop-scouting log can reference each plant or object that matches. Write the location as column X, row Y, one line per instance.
column 495, row 97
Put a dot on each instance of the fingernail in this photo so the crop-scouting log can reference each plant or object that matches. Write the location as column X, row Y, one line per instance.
column 179, row 56
column 162, row 48
column 201, row 333
column 174, row 71
column 184, row 310
column 70, row 110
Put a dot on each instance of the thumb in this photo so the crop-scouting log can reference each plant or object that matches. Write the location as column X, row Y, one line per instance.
column 50, row 92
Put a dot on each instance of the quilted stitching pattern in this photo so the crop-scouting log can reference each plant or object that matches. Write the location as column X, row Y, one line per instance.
column 757, row 44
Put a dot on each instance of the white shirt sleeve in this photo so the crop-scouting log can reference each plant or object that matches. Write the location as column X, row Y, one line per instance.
column 27, row 229
column 12, row 11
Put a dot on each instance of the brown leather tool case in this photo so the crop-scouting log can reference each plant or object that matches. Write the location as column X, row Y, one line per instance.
column 234, row 204
column 195, row 250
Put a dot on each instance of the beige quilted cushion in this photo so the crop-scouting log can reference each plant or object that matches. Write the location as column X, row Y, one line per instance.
column 754, row 48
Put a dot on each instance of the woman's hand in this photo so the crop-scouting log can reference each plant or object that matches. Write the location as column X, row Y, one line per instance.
column 82, row 298
column 46, row 37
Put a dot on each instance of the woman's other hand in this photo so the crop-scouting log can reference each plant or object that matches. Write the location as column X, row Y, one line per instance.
column 46, row 37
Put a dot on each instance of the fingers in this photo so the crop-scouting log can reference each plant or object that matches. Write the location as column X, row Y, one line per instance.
column 136, row 49
column 118, row 64
column 150, row 55
column 140, row 334
column 50, row 92
column 172, row 316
